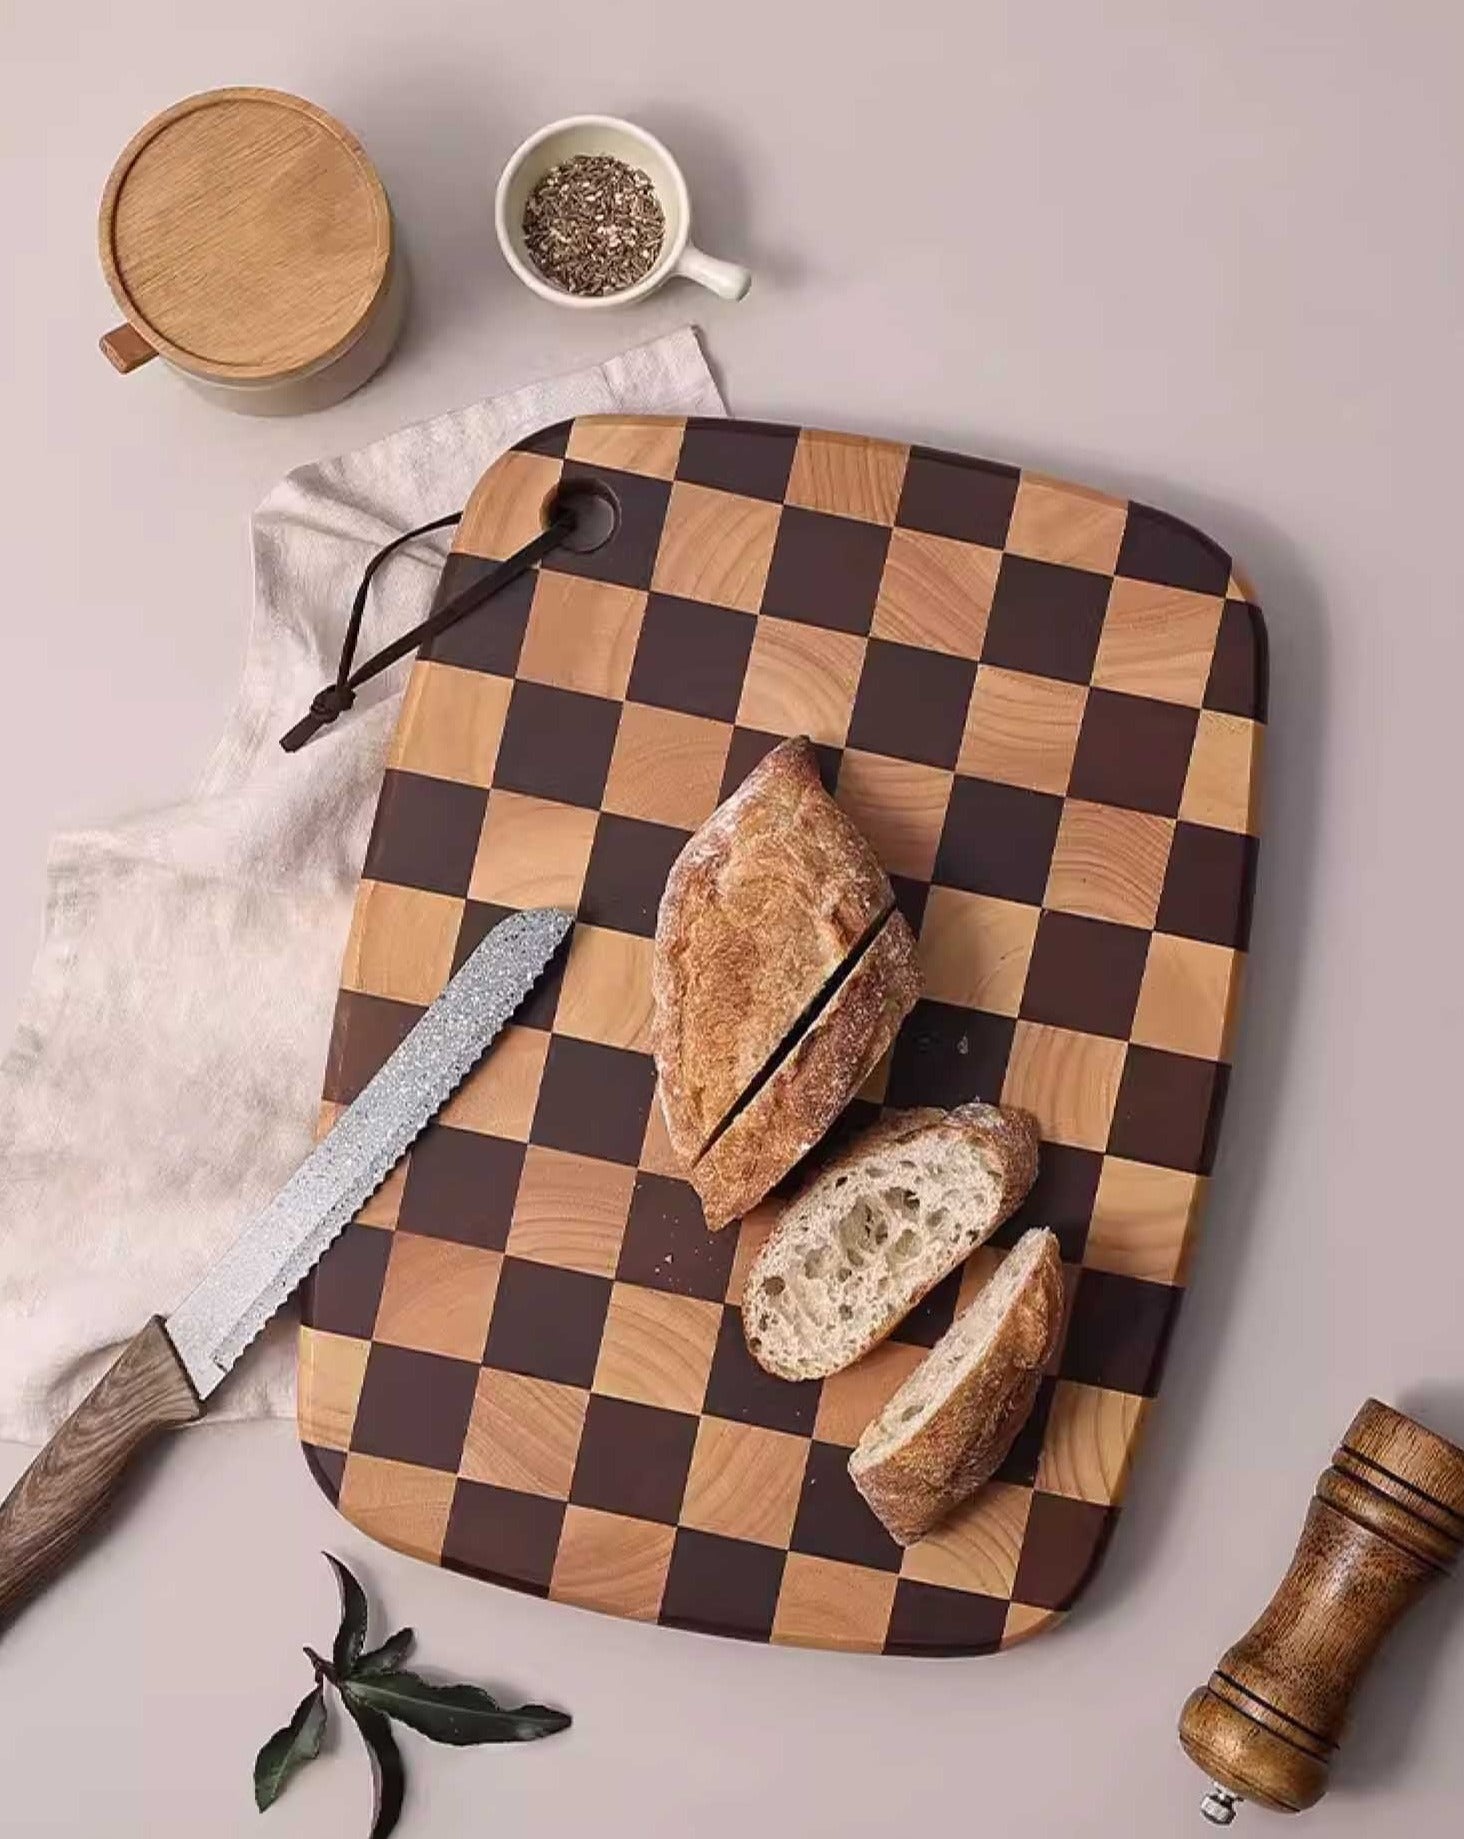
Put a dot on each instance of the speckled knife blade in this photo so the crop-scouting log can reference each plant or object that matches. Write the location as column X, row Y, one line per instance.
column 227, row 1309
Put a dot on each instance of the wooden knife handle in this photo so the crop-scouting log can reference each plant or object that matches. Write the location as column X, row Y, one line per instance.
column 145, row 1390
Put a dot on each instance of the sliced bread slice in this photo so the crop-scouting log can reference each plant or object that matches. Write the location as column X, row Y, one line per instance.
column 947, row 1429
column 878, row 1227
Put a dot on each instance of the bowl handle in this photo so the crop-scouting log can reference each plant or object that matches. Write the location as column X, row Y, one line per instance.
column 727, row 280
column 125, row 348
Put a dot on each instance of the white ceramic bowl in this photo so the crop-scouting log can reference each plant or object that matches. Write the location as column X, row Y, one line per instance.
column 561, row 140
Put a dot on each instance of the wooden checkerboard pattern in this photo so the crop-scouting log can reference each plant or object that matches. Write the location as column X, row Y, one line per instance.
column 525, row 1360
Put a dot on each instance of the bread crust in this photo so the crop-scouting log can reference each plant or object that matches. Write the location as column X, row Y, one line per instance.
column 1010, row 1142
column 967, row 1437
column 822, row 1072
column 760, row 909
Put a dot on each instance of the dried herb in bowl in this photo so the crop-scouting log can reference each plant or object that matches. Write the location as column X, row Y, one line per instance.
column 594, row 225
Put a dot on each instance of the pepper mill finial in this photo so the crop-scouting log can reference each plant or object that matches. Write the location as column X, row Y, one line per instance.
column 1386, row 1520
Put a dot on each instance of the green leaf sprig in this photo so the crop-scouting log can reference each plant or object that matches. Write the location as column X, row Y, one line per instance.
column 376, row 1689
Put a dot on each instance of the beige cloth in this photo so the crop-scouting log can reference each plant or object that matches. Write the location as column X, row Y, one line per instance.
column 166, row 1072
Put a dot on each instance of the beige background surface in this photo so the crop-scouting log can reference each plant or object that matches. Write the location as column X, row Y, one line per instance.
column 1208, row 255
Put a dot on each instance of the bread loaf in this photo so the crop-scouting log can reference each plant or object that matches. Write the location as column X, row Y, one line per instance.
column 823, row 1070
column 781, row 973
column 896, row 1211
column 949, row 1426
column 760, row 910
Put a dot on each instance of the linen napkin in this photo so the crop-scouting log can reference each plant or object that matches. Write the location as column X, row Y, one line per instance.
column 166, row 1071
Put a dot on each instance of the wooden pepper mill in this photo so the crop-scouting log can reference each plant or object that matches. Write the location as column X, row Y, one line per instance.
column 1387, row 1519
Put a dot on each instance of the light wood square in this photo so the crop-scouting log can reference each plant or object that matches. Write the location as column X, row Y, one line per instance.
column 801, row 680
column 1221, row 786
column 1023, row 1621
column 975, row 949
column 524, row 1433
column 899, row 805
column 401, row 942
column 936, row 592
column 1054, row 522
column 657, row 1156
column 716, row 547
column 532, row 852
column 582, row 634
column 667, row 767
column 1186, row 1001
column 1068, row 1081
column 499, row 1095
column 744, row 1482
column 847, row 475
column 977, row 1546
column 450, row 724
column 608, row 1562
column 850, row 1401
column 438, row 1296
column 827, row 1604
column 606, row 995
column 657, row 1348
column 1022, row 730
column 1158, row 641
column 1089, row 1442
column 332, row 1368
column 649, row 444
column 398, row 1504
column 570, row 1211
column 1109, row 863
column 506, row 509
column 752, row 1235
column 1143, row 1220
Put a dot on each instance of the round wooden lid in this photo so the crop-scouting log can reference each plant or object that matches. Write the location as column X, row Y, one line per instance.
column 245, row 234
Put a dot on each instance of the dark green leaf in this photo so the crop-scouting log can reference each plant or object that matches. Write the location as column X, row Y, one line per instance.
column 386, row 1658
column 386, row 1768
column 288, row 1750
column 351, row 1635
column 453, row 1714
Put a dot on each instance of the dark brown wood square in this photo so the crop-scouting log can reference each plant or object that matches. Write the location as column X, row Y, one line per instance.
column 948, row 495
column 633, row 1459
column 1046, row 619
column 753, row 459
column 691, row 657
column 722, row 1586
column 667, row 1245
column 1085, row 974
column 462, row 1185
column 825, row 570
column 911, row 703
column 547, row 1322
column 426, row 833
column 594, row 1100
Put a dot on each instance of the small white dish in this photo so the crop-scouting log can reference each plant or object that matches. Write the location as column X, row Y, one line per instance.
column 562, row 140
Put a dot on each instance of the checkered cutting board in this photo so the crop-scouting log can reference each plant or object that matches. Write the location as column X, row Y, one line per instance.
column 525, row 1360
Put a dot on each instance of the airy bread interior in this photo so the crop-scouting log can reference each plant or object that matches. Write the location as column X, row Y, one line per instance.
column 959, row 1351
column 865, row 1244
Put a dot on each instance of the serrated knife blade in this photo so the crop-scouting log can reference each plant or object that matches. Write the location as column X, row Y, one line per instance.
column 274, row 1253
column 168, row 1369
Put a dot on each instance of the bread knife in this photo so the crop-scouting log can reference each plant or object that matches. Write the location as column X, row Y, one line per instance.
column 164, row 1375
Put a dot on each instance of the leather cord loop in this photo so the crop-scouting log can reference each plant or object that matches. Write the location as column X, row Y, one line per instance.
column 337, row 698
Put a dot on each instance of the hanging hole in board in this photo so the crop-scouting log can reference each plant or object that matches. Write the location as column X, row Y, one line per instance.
column 594, row 509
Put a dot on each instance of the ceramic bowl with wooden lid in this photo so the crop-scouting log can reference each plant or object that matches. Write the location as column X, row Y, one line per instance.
column 248, row 240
